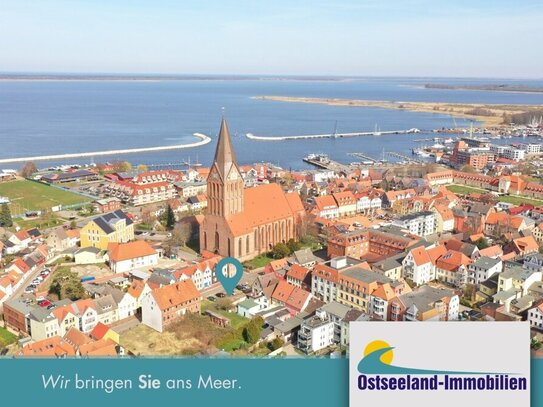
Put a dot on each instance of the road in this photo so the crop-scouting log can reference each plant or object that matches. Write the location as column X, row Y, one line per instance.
column 247, row 278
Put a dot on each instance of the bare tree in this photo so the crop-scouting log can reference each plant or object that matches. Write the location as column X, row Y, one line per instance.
column 28, row 169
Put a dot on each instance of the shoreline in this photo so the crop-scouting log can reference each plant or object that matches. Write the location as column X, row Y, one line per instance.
column 460, row 110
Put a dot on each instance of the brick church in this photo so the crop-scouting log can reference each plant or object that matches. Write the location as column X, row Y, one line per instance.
column 244, row 223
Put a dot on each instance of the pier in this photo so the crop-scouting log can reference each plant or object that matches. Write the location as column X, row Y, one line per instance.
column 328, row 164
column 203, row 141
column 251, row 136
column 364, row 156
column 404, row 157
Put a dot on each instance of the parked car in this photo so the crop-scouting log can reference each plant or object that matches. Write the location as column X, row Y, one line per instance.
column 220, row 295
column 211, row 298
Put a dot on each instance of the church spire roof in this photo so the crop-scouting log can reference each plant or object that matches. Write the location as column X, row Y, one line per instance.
column 224, row 154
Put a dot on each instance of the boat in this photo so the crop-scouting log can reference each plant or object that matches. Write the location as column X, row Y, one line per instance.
column 376, row 132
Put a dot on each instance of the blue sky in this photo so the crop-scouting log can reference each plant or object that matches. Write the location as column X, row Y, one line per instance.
column 461, row 38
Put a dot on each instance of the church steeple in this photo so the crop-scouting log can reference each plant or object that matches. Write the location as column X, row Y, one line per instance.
column 224, row 155
column 225, row 182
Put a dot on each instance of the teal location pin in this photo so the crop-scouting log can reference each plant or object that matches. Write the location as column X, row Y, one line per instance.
column 229, row 272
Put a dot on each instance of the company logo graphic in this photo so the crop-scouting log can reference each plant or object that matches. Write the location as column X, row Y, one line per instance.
column 444, row 364
column 377, row 361
column 378, row 356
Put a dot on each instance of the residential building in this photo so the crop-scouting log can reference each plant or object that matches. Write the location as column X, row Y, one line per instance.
column 202, row 273
column 164, row 305
column 418, row 266
column 326, row 207
column 114, row 227
column 452, row 268
column 325, row 278
column 124, row 257
column 316, row 333
column 483, row 268
column 425, row 304
column 535, row 317
column 356, row 286
column 376, row 243
column 514, row 282
column 107, row 205
column 346, row 203
column 420, row 224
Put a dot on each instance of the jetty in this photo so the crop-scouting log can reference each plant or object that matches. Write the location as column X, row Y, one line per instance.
column 203, row 140
column 251, row 136
column 324, row 162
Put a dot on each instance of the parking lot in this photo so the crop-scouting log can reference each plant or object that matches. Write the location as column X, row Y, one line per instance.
column 36, row 281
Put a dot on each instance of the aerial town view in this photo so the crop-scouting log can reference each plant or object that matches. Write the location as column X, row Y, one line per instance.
column 411, row 195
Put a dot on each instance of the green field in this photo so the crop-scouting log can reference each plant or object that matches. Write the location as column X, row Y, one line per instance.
column 6, row 337
column 512, row 199
column 259, row 261
column 30, row 196
column 236, row 321
column 463, row 189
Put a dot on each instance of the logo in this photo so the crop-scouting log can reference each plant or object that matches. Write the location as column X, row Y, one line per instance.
column 439, row 363
column 377, row 360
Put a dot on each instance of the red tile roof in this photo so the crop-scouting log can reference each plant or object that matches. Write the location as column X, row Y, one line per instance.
column 131, row 250
column 175, row 294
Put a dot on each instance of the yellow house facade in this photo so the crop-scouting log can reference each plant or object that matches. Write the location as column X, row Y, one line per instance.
column 114, row 227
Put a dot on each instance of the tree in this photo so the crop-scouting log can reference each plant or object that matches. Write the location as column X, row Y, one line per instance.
column 181, row 234
column 67, row 284
column 280, row 251
column 251, row 332
column 224, row 304
column 170, row 218
column 293, row 245
column 90, row 209
column 5, row 216
column 122, row 166
column 143, row 168
column 482, row 243
column 73, row 224
column 28, row 169
column 275, row 344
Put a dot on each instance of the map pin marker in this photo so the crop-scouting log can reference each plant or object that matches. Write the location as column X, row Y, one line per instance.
column 229, row 271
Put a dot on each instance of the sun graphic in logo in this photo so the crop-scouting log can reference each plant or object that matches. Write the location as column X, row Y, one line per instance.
column 386, row 357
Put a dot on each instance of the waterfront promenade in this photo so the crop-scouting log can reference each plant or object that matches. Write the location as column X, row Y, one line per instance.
column 203, row 140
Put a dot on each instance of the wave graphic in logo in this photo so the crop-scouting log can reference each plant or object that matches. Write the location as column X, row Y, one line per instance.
column 378, row 357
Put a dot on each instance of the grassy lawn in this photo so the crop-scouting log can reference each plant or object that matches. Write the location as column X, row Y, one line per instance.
column 39, row 223
column 517, row 200
column 6, row 337
column 28, row 195
column 257, row 262
column 463, row 189
column 236, row 321
column 513, row 199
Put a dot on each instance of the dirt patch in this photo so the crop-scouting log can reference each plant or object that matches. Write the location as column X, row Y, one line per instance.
column 144, row 341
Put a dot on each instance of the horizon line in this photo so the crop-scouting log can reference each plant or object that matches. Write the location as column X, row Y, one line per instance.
column 251, row 75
